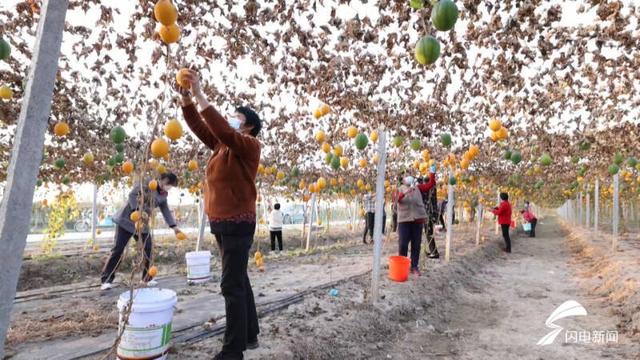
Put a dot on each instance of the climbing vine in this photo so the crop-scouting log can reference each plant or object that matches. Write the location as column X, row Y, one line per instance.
column 63, row 209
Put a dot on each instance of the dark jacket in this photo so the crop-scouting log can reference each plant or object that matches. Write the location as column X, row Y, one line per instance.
column 122, row 217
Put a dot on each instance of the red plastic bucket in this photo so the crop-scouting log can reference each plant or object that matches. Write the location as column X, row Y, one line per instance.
column 399, row 268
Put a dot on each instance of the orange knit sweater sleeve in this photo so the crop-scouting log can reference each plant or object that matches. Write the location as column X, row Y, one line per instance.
column 198, row 126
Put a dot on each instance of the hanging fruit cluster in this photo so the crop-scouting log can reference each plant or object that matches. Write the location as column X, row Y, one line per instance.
column 167, row 15
column 514, row 156
column 469, row 156
column 118, row 136
column 321, row 111
column 444, row 16
column 498, row 131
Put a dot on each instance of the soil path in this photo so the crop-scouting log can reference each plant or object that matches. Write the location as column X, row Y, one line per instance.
column 485, row 304
column 504, row 317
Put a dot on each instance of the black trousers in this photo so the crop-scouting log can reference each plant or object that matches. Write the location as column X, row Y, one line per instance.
column 394, row 222
column 276, row 235
column 121, row 240
column 532, row 233
column 234, row 241
column 410, row 233
column 507, row 239
column 369, row 222
column 428, row 230
column 442, row 222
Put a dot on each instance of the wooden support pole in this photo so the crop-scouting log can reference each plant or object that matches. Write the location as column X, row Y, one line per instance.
column 26, row 154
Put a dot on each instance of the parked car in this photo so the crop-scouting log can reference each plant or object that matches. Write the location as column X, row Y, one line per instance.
column 292, row 213
column 83, row 224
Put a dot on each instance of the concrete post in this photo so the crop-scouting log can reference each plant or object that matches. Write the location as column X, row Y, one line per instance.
column 596, row 205
column 202, row 223
column 311, row 219
column 616, row 210
column 587, row 220
column 479, row 223
column 94, row 214
column 580, row 211
column 26, row 154
column 450, row 197
column 498, row 225
column 377, row 228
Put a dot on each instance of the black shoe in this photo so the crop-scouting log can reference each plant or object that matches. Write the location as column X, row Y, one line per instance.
column 433, row 256
column 228, row 356
column 252, row 345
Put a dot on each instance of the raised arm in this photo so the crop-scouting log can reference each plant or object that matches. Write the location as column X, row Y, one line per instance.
column 198, row 126
column 243, row 145
column 429, row 184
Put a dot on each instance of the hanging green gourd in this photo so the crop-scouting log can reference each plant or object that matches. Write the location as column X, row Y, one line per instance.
column 444, row 15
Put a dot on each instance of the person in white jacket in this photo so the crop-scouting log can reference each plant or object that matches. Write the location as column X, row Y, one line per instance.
column 275, row 227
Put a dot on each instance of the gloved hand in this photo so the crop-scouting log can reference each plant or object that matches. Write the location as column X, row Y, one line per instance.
column 432, row 169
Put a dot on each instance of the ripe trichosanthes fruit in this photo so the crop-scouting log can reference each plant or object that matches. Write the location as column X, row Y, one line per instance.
column 165, row 12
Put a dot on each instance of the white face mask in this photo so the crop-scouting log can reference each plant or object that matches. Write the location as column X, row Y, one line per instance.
column 235, row 123
column 408, row 180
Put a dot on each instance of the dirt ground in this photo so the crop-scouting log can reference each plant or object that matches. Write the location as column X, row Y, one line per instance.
column 89, row 312
column 485, row 304
column 41, row 322
column 46, row 272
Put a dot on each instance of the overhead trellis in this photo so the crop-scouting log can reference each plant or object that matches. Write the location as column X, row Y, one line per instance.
column 555, row 75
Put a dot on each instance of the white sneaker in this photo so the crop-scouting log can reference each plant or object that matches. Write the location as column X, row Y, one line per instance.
column 106, row 286
column 152, row 283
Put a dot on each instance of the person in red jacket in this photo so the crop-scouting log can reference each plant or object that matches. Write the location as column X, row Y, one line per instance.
column 529, row 217
column 503, row 212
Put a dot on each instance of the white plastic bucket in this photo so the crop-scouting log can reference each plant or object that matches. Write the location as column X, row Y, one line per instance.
column 198, row 266
column 148, row 332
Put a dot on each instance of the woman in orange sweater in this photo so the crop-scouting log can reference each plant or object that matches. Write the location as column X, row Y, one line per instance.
column 230, row 203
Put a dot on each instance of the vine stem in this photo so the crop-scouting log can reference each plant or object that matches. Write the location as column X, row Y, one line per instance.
column 138, row 265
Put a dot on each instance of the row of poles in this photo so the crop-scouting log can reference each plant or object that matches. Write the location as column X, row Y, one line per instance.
column 578, row 211
column 378, row 236
column 377, row 231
